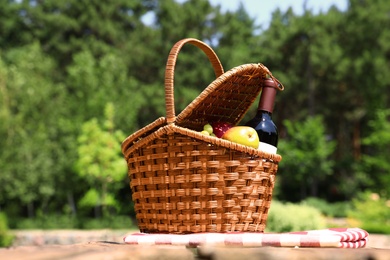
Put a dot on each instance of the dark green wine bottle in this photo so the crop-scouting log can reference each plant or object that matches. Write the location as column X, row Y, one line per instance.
column 262, row 122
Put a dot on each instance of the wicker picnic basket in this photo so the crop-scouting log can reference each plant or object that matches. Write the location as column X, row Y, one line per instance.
column 185, row 182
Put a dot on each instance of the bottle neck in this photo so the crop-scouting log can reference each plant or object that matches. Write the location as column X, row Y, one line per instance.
column 264, row 114
column 267, row 98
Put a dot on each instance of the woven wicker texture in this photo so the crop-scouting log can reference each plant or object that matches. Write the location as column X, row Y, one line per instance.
column 186, row 182
column 226, row 99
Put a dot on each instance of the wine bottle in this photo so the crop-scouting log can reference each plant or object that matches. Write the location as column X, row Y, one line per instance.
column 262, row 122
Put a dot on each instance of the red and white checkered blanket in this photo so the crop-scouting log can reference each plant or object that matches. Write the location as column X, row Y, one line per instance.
column 332, row 237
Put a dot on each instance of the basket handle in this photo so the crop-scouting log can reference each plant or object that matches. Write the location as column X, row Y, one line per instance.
column 170, row 71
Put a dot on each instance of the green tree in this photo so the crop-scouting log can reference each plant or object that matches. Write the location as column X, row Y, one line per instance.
column 196, row 19
column 236, row 41
column 361, row 89
column 332, row 64
column 307, row 161
column 93, row 82
column 372, row 212
column 30, row 151
column 72, row 26
column 101, row 163
column 376, row 160
column 12, row 30
column 6, row 237
column 61, row 62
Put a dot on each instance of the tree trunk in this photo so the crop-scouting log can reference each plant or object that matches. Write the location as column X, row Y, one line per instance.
column 71, row 203
column 356, row 141
column 30, row 210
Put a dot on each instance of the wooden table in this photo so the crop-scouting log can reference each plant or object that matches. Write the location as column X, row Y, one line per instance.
column 114, row 250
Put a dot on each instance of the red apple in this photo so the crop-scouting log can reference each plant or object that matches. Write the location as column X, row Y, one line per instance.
column 219, row 128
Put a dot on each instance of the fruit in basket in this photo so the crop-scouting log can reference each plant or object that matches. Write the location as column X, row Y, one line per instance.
column 244, row 135
column 204, row 132
column 208, row 128
column 219, row 128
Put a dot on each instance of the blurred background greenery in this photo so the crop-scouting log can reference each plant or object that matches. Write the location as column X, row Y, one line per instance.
column 77, row 77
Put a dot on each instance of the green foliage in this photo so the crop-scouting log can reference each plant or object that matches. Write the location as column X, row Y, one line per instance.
column 96, row 81
column 73, row 26
column 287, row 217
column 376, row 160
column 335, row 209
column 372, row 212
column 100, row 161
column 307, row 161
column 111, row 222
column 29, row 160
column 63, row 221
column 62, row 62
column 90, row 199
column 5, row 237
column 47, row 221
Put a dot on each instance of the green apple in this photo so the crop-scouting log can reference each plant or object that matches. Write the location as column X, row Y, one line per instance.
column 244, row 135
column 204, row 132
column 208, row 128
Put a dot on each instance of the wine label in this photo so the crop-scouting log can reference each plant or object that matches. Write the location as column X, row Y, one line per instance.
column 267, row 148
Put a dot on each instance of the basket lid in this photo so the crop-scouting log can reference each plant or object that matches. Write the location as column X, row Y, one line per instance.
column 226, row 99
